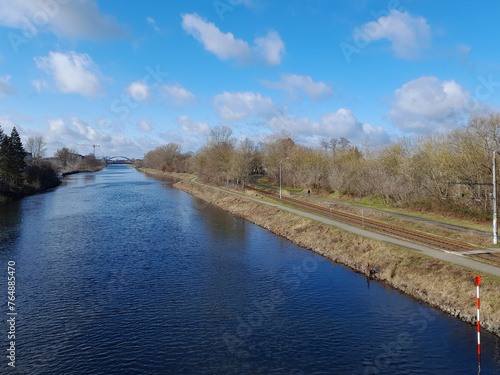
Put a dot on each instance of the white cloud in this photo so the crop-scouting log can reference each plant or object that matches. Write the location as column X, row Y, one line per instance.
column 341, row 123
column 223, row 45
column 86, row 131
column 409, row 35
column 139, row 91
column 195, row 128
column 145, row 125
column 240, row 105
column 39, row 84
column 159, row 30
column 374, row 135
column 426, row 104
column 178, row 95
column 269, row 49
column 463, row 52
column 187, row 143
column 102, row 123
column 336, row 124
column 7, row 123
column 73, row 72
column 291, row 83
column 6, row 88
column 77, row 134
column 152, row 22
column 71, row 19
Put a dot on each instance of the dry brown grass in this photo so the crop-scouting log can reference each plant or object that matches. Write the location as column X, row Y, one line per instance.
column 449, row 287
column 166, row 176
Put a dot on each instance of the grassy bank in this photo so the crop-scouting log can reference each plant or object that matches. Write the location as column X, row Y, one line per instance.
column 29, row 188
column 446, row 286
column 83, row 170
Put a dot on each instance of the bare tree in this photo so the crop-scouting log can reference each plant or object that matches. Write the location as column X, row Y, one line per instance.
column 244, row 161
column 486, row 128
column 167, row 157
column 37, row 147
column 66, row 156
column 90, row 163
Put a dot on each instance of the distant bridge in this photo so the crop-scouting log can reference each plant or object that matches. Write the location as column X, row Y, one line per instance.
column 117, row 160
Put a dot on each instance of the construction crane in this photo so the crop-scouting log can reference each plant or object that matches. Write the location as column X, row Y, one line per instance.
column 90, row 146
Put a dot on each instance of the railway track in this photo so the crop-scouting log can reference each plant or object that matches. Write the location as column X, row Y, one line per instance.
column 370, row 224
column 489, row 258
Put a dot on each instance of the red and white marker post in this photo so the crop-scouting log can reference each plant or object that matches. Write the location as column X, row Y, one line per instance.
column 478, row 281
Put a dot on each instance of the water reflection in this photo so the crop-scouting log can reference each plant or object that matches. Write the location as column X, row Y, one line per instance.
column 10, row 220
column 122, row 274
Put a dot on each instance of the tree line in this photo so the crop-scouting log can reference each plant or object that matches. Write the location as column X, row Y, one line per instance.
column 12, row 154
column 19, row 177
column 449, row 172
column 68, row 160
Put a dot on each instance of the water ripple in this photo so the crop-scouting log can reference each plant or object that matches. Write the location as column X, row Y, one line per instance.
column 121, row 274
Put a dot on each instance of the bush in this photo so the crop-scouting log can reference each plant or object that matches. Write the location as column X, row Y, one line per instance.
column 42, row 176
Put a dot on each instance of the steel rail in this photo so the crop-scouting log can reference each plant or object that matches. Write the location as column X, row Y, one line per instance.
column 376, row 226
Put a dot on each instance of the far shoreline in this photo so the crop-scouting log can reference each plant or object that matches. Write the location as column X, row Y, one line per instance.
column 27, row 191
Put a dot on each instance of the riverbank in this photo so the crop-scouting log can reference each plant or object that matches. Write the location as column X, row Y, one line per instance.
column 38, row 187
column 26, row 191
column 448, row 287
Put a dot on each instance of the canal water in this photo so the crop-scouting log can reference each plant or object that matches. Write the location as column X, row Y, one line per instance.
column 118, row 273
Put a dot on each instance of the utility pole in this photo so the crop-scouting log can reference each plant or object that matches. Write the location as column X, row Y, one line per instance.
column 280, row 180
column 478, row 281
column 495, row 223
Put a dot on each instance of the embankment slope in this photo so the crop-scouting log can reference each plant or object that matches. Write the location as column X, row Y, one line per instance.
column 447, row 286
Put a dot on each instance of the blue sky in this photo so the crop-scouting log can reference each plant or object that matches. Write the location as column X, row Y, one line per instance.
column 131, row 75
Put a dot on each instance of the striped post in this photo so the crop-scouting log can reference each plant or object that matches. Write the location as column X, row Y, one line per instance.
column 478, row 281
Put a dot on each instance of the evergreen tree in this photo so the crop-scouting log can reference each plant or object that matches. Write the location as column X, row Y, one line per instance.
column 12, row 156
column 3, row 153
column 18, row 154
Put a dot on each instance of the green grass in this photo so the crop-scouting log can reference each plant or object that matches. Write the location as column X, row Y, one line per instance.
column 264, row 181
column 378, row 203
